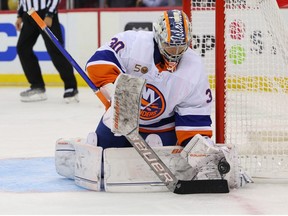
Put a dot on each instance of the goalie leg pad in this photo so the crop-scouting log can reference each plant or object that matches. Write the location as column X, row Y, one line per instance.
column 65, row 153
column 71, row 156
column 88, row 159
column 126, row 171
column 65, row 156
column 154, row 140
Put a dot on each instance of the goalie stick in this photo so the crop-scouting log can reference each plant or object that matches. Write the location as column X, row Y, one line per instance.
column 127, row 126
column 56, row 42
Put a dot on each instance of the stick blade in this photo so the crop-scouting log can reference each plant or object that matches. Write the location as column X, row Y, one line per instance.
column 126, row 104
column 201, row 186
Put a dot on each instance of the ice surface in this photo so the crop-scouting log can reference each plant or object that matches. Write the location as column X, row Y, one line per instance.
column 29, row 130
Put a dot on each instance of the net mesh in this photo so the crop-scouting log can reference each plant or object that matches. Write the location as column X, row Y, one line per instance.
column 256, row 61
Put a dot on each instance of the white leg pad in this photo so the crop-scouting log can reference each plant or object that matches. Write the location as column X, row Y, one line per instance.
column 65, row 156
column 80, row 159
column 126, row 171
column 154, row 140
column 88, row 159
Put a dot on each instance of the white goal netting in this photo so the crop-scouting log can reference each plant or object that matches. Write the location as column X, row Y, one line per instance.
column 256, row 62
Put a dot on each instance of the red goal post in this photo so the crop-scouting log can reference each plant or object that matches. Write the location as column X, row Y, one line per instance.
column 244, row 46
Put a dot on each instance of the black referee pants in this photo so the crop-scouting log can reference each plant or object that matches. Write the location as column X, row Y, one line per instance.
column 30, row 64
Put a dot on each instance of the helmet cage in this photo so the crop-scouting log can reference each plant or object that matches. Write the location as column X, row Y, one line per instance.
column 172, row 52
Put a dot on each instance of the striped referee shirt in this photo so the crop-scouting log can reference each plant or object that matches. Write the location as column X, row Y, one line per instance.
column 49, row 5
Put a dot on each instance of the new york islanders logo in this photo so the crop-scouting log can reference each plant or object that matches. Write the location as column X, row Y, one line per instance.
column 152, row 104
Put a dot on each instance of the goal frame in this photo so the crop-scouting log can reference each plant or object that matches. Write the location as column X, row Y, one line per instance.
column 219, row 66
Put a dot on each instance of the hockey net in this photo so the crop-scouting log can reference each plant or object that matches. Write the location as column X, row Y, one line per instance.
column 252, row 68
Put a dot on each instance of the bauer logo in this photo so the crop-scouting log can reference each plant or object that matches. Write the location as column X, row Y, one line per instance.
column 9, row 52
column 152, row 104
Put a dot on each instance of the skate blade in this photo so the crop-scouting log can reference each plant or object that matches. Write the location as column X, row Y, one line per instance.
column 34, row 98
column 71, row 100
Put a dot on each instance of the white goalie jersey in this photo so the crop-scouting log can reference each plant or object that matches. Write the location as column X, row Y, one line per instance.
column 179, row 101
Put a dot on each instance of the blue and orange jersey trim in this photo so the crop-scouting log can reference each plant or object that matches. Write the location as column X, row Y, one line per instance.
column 189, row 125
column 184, row 135
column 163, row 125
column 103, row 68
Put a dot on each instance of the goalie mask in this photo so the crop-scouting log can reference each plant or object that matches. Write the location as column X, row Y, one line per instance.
column 173, row 34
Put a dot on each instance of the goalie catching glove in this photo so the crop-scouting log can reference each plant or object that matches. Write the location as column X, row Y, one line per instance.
column 214, row 161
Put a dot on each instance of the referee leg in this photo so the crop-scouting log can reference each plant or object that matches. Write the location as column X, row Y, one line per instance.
column 30, row 64
column 62, row 65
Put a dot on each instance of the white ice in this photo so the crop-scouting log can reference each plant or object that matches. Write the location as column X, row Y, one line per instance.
column 31, row 129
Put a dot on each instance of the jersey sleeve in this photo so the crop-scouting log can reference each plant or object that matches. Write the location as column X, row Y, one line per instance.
column 109, row 60
column 192, row 116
